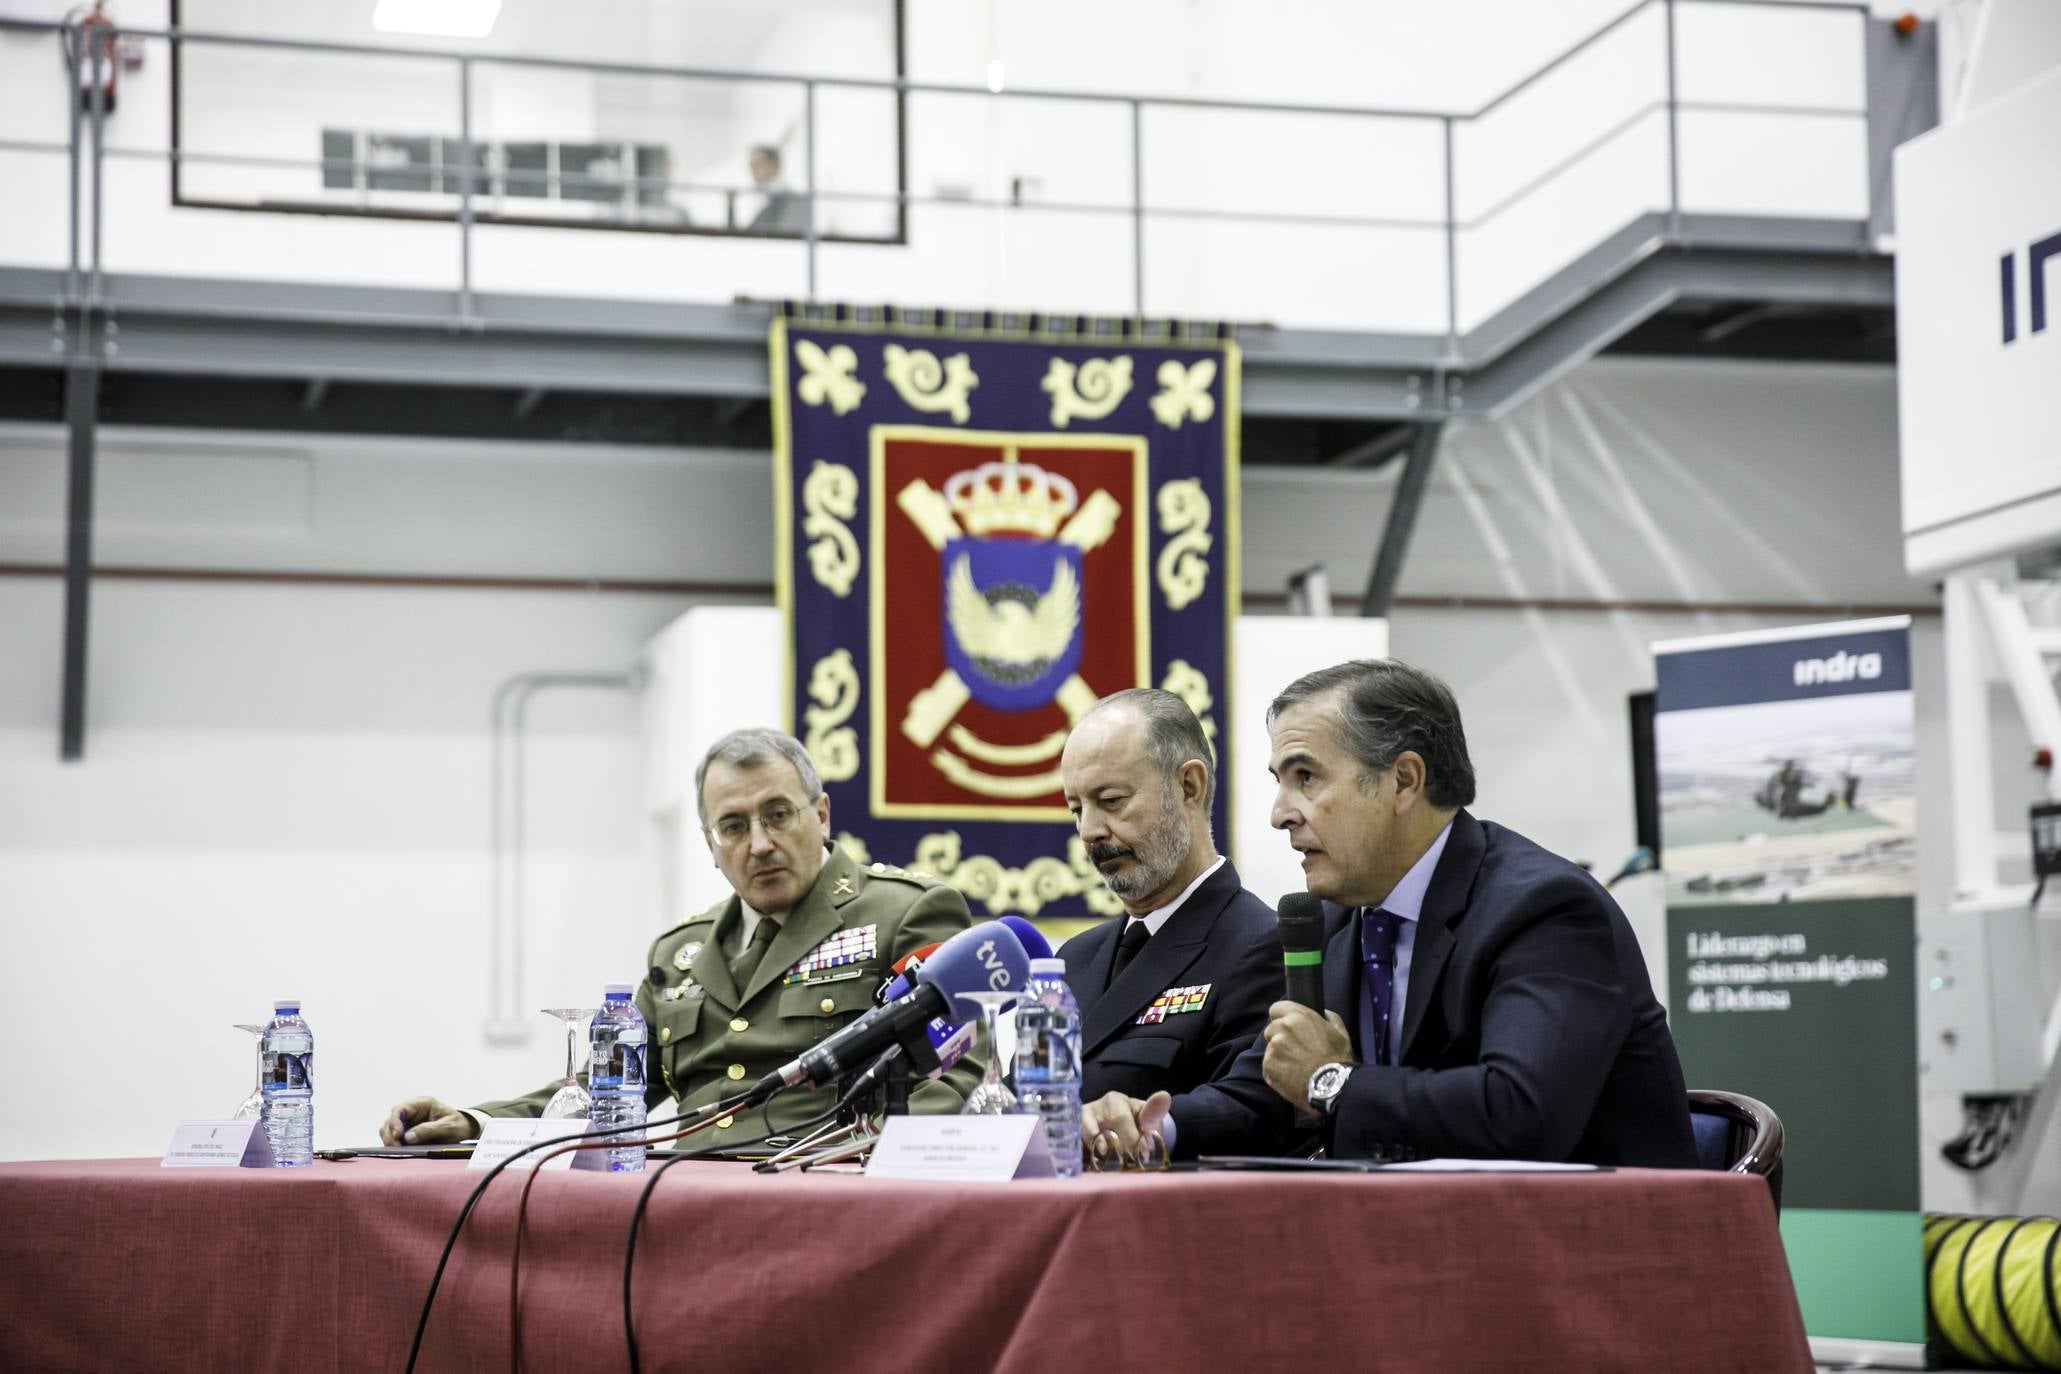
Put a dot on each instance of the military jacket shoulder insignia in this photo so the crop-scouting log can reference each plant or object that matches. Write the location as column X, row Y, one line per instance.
column 854, row 945
column 1173, row 1002
column 907, row 875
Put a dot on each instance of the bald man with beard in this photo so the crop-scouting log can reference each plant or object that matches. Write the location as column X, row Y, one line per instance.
column 1175, row 989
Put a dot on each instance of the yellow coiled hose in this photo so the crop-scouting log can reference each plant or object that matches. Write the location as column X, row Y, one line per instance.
column 1993, row 1289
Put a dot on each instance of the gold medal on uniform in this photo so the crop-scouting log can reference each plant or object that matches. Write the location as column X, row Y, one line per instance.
column 686, row 956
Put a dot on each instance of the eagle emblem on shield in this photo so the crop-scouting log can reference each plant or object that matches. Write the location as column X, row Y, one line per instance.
column 1013, row 606
column 1031, row 565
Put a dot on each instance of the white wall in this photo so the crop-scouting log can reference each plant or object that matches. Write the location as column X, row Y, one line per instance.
column 1438, row 58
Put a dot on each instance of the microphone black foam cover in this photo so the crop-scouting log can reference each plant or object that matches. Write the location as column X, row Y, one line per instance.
column 1300, row 920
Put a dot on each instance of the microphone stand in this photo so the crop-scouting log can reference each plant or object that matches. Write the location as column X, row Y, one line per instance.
column 889, row 1077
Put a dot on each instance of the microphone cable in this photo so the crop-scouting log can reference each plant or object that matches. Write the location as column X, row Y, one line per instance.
column 644, row 1199
column 591, row 1142
column 451, row 1241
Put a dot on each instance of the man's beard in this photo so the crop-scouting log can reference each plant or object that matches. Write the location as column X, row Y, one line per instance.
column 1158, row 856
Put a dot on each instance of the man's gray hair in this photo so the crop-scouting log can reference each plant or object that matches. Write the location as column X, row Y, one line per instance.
column 1385, row 707
column 1172, row 735
column 755, row 748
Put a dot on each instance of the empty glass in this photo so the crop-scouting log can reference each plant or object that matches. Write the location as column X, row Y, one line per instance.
column 992, row 1097
column 254, row 1105
column 571, row 1102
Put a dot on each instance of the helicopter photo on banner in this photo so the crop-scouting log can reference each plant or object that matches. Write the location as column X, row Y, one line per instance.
column 985, row 524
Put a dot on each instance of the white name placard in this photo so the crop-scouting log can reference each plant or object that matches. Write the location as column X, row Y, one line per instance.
column 504, row 1135
column 961, row 1148
column 218, row 1145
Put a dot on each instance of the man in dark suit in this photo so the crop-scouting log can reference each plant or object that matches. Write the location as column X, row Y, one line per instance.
column 1499, row 1004
column 1177, row 988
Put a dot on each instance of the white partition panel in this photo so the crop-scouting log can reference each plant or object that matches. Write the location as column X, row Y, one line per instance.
column 1273, row 651
column 1978, row 212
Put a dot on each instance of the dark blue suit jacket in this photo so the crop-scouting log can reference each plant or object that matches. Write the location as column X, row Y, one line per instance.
column 1223, row 936
column 1530, row 1030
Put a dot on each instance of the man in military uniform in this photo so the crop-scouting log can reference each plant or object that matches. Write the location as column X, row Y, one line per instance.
column 749, row 984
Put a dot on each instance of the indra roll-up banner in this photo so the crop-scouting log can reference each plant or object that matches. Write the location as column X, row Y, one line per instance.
column 1787, row 810
column 985, row 524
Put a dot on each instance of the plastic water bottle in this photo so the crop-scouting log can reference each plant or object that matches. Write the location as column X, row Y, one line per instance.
column 1048, row 1061
column 615, row 1076
column 286, row 1055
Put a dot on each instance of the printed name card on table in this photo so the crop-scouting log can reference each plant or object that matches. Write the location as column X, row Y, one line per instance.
column 962, row 1149
column 504, row 1135
column 218, row 1145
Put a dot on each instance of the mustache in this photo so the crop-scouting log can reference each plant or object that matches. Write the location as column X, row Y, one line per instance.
column 1103, row 853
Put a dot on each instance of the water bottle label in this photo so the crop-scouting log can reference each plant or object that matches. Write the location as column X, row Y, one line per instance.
column 284, row 1072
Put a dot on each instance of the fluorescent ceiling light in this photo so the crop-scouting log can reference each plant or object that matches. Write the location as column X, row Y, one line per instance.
column 437, row 18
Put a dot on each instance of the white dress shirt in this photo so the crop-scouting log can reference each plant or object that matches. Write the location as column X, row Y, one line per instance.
column 1158, row 917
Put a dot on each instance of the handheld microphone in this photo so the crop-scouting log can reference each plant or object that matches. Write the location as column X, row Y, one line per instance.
column 986, row 957
column 1301, row 923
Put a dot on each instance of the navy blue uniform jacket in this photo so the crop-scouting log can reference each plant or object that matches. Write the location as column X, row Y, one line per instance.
column 1530, row 1030
column 1223, row 936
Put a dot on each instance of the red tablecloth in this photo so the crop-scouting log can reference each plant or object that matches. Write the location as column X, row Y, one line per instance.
column 118, row 1264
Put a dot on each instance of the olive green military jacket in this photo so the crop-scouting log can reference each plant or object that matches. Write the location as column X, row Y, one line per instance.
column 711, row 1039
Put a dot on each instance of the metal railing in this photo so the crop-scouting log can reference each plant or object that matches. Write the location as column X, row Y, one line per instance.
column 85, row 278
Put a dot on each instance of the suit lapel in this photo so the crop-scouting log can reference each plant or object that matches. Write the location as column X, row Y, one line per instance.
column 1087, row 972
column 711, row 966
column 1445, row 902
column 1180, row 942
column 811, row 922
column 1342, row 964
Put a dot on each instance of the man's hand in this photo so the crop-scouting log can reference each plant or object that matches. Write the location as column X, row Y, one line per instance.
column 1299, row 1042
column 1125, row 1118
column 424, row 1121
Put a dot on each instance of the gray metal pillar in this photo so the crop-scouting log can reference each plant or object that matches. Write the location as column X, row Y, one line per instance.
column 1903, row 102
column 809, row 110
column 81, row 410
column 1402, row 520
column 1138, row 209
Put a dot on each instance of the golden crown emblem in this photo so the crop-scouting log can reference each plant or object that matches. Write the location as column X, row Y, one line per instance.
column 1011, row 497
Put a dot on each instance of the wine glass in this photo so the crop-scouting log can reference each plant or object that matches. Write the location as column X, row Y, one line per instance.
column 253, row 1107
column 992, row 1097
column 571, row 1102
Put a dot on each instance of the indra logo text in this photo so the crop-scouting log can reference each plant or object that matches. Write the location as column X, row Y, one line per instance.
column 1841, row 667
column 2036, row 255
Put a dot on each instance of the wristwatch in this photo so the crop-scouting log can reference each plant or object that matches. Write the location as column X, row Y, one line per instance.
column 1326, row 1084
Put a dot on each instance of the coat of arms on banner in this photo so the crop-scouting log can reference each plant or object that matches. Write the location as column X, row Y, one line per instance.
column 986, row 526
column 1027, row 554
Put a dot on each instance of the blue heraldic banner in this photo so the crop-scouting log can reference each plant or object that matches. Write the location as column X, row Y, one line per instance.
column 981, row 532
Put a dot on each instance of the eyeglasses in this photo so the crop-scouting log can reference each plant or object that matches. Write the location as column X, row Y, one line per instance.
column 776, row 819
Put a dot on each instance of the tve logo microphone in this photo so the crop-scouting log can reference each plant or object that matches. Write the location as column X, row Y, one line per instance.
column 2036, row 256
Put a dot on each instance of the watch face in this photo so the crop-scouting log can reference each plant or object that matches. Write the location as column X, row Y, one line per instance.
column 1329, row 1080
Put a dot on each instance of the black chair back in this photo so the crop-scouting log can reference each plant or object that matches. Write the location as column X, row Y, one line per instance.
column 1738, row 1134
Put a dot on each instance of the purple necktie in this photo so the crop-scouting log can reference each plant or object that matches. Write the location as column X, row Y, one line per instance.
column 1378, row 930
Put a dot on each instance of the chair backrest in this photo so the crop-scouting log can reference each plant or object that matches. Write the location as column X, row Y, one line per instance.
column 1738, row 1134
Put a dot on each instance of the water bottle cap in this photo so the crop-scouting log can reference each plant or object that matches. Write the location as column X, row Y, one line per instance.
column 616, row 992
column 285, row 1004
column 1053, row 965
